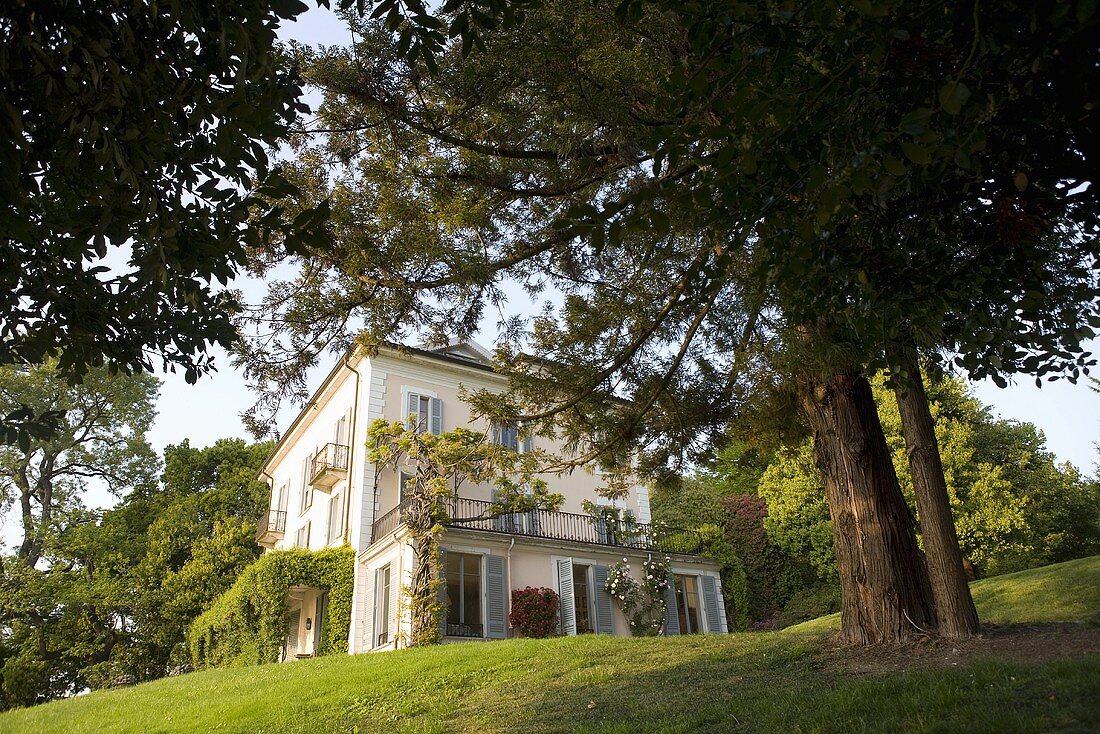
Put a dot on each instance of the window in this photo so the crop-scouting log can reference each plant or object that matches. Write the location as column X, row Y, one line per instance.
column 336, row 518
column 382, row 605
column 464, row 595
column 687, row 604
column 428, row 412
column 507, row 434
column 302, row 541
column 307, row 489
column 582, row 599
column 404, row 486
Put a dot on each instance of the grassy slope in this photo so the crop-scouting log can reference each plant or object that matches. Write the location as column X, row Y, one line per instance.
column 748, row 682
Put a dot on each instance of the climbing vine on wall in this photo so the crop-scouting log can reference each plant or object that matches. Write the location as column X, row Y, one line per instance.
column 246, row 625
column 438, row 465
column 642, row 600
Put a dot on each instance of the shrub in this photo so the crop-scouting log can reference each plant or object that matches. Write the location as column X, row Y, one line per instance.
column 246, row 624
column 534, row 612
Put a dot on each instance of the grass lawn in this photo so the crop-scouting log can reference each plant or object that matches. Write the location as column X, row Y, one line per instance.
column 1021, row 677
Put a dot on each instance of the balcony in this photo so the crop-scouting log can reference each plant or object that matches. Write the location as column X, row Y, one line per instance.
column 328, row 466
column 553, row 525
column 271, row 527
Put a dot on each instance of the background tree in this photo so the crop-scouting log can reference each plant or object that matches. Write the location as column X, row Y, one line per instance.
column 59, row 608
column 96, row 598
column 132, row 136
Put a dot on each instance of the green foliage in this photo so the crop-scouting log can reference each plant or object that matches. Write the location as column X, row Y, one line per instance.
column 123, row 584
column 798, row 517
column 64, row 595
column 132, row 140
column 1014, row 506
column 735, row 588
column 247, row 624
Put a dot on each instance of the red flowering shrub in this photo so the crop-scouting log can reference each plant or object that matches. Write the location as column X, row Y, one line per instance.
column 534, row 612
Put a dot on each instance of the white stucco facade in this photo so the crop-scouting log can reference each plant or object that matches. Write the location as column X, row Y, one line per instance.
column 325, row 493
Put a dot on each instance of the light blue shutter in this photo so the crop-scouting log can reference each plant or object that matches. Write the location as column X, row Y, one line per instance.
column 528, row 443
column 672, row 620
column 710, row 603
column 495, row 591
column 292, row 633
column 443, row 592
column 565, row 594
column 395, row 593
column 436, row 416
column 370, row 619
column 413, row 406
column 604, row 623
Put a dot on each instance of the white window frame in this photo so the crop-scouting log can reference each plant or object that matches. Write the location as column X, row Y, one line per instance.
column 424, row 393
column 702, row 608
column 484, row 593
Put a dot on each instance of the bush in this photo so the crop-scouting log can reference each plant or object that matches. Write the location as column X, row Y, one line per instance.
column 534, row 612
column 246, row 624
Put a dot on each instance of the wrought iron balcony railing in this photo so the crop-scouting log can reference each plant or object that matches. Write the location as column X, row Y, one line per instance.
column 328, row 465
column 554, row 525
column 271, row 526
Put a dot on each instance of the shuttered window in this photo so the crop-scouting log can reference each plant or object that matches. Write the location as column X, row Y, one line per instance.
column 336, row 519
column 687, row 604
column 565, row 596
column 302, row 539
column 582, row 600
column 382, row 606
column 710, row 603
column 307, row 489
column 426, row 411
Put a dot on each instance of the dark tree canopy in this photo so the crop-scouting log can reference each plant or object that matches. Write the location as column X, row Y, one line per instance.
column 130, row 136
column 705, row 183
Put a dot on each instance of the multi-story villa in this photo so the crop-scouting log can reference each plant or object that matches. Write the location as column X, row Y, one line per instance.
column 324, row 493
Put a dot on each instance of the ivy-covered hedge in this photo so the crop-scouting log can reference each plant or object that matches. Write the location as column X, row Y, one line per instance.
column 246, row 625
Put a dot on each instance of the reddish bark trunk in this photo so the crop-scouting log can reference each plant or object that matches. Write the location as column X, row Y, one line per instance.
column 946, row 571
column 885, row 594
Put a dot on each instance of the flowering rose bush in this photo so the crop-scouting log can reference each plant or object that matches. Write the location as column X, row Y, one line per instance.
column 642, row 601
column 534, row 612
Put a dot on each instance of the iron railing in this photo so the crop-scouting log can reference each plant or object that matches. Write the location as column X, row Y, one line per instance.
column 329, row 456
column 274, row 521
column 554, row 525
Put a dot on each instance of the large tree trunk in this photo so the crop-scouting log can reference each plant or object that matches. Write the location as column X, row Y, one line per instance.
column 954, row 605
column 885, row 594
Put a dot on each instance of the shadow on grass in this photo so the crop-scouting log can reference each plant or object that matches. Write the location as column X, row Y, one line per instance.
column 777, row 684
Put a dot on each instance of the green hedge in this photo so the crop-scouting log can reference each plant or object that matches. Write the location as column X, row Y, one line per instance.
column 246, row 625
